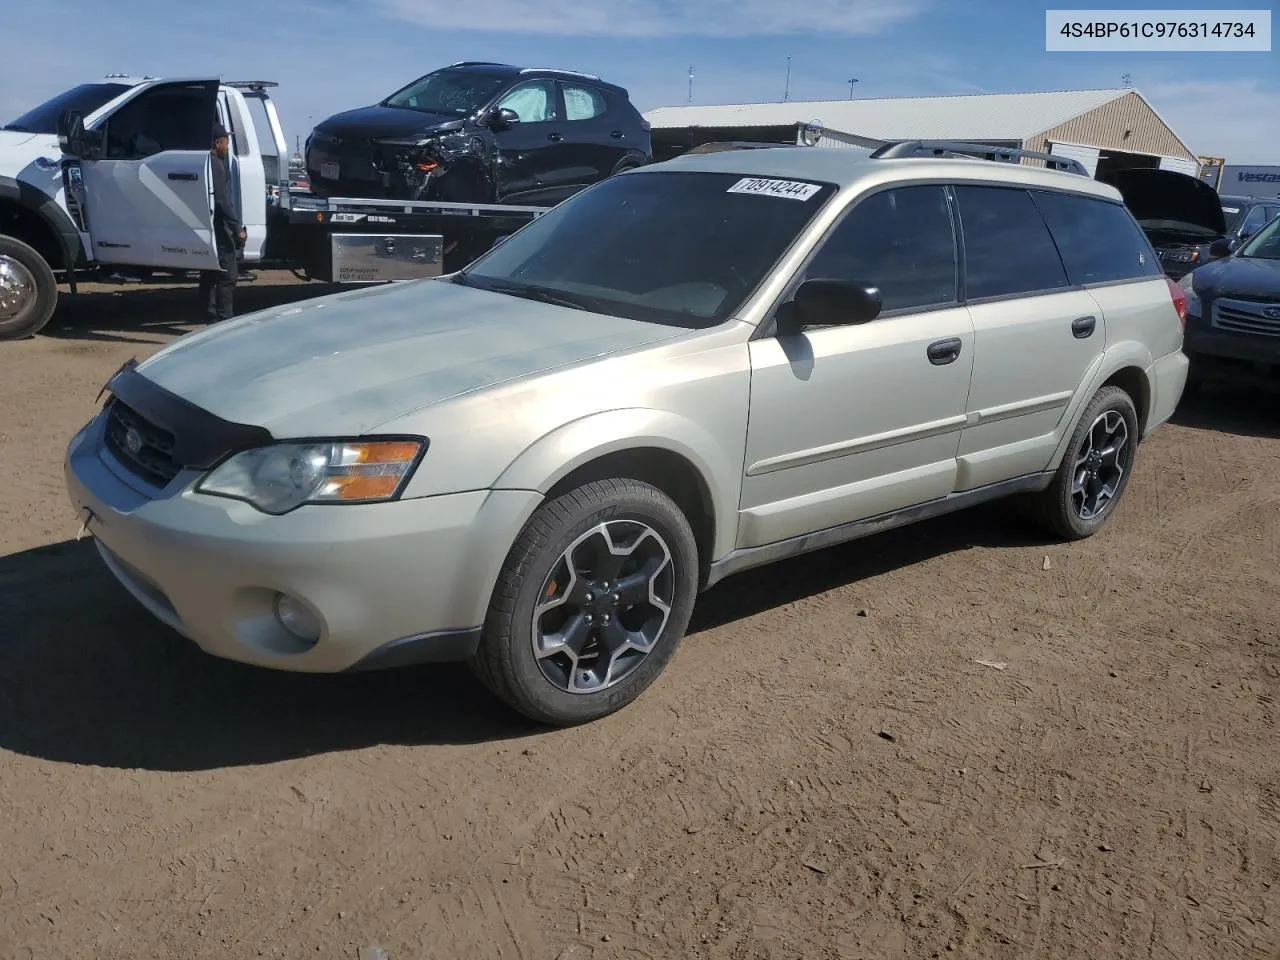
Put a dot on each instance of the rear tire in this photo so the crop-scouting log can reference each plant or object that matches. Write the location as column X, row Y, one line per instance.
column 28, row 290
column 591, row 603
column 1094, row 471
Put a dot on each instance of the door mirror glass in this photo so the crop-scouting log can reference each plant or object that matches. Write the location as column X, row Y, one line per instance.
column 504, row 118
column 1219, row 249
column 824, row 302
column 72, row 137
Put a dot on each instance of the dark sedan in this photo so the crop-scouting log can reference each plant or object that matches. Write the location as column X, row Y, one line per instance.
column 1233, row 310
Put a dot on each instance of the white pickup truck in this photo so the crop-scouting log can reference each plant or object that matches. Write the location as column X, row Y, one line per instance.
column 116, row 174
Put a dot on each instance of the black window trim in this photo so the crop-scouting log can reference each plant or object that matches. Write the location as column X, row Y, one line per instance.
column 768, row 327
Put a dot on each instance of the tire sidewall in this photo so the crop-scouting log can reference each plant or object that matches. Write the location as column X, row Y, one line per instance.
column 1106, row 400
column 654, row 510
column 31, row 320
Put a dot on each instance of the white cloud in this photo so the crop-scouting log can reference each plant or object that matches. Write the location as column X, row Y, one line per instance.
column 1221, row 118
column 659, row 18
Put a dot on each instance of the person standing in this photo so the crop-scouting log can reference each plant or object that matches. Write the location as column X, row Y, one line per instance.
column 217, row 287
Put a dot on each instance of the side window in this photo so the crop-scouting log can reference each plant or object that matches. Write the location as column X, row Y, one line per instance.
column 1254, row 220
column 533, row 102
column 900, row 240
column 1098, row 241
column 1007, row 247
column 164, row 118
column 582, row 103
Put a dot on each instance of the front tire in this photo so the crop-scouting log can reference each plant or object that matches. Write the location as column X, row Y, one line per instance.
column 28, row 290
column 1094, row 471
column 591, row 603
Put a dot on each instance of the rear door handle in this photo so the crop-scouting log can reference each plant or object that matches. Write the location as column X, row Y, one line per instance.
column 616, row 134
column 178, row 175
column 557, row 137
column 944, row 351
column 1083, row 327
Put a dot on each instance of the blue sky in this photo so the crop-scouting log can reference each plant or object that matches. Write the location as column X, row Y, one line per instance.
column 329, row 55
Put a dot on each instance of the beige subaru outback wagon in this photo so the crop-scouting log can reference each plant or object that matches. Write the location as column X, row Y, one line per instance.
column 536, row 464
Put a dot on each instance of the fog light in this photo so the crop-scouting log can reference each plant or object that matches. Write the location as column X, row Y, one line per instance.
column 297, row 618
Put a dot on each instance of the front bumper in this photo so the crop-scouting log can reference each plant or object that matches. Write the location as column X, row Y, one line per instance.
column 391, row 583
column 1202, row 339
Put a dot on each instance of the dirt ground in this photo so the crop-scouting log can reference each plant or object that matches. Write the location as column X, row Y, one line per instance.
column 827, row 769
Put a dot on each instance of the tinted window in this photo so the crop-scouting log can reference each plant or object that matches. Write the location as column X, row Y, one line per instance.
column 458, row 93
column 165, row 118
column 1265, row 244
column 680, row 248
column 899, row 240
column 1098, row 241
column 582, row 103
column 533, row 102
column 1254, row 220
column 1007, row 247
column 84, row 99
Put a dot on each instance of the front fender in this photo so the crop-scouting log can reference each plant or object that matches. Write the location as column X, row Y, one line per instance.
column 1116, row 357
column 560, row 452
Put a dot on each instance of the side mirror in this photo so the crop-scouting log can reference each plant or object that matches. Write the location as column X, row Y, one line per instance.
column 72, row 137
column 503, row 118
column 829, row 303
column 1246, row 234
column 1219, row 249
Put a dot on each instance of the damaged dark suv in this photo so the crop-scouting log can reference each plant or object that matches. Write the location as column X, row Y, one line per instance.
column 481, row 133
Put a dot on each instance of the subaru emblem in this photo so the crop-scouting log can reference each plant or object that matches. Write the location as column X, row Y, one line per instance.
column 1272, row 313
column 133, row 441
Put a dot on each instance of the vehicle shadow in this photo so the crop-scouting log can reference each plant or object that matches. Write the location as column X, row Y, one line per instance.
column 139, row 312
column 87, row 676
column 1245, row 410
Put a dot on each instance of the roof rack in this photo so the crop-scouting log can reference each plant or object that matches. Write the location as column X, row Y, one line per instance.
column 477, row 63
column 567, row 73
column 717, row 146
column 980, row 151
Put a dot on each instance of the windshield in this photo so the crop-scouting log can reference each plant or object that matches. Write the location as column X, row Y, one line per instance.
column 1232, row 212
column 84, row 99
column 1266, row 244
column 458, row 93
column 679, row 248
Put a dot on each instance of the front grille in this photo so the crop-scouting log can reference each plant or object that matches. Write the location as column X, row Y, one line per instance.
column 143, row 448
column 1243, row 316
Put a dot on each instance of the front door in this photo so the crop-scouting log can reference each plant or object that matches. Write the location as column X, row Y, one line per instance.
column 532, row 152
column 850, row 422
column 147, row 193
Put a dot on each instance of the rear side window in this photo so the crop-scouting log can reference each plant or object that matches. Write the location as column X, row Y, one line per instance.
column 582, row 102
column 900, row 240
column 1007, row 247
column 1098, row 241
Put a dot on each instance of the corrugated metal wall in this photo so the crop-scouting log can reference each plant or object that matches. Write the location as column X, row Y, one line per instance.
column 1105, row 127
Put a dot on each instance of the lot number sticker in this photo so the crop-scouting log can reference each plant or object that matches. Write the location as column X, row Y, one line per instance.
column 790, row 189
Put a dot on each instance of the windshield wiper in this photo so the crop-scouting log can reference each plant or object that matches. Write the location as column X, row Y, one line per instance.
column 529, row 291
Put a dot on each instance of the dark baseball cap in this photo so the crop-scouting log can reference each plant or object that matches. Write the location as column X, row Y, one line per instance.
column 219, row 131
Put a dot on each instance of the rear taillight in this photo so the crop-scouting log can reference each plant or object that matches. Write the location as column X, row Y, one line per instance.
column 1179, row 301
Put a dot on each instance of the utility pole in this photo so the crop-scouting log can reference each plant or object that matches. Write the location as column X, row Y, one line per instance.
column 690, row 99
column 786, row 93
column 1127, row 80
column 852, row 81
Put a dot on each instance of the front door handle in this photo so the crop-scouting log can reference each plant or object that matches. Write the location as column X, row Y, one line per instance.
column 178, row 175
column 616, row 134
column 1083, row 327
column 944, row 351
column 557, row 137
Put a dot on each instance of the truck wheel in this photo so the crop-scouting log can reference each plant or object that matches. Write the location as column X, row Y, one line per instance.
column 28, row 290
column 1095, row 470
column 592, row 601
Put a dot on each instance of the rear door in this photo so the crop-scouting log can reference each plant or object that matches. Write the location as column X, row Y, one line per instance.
column 596, row 137
column 147, row 195
column 1035, row 335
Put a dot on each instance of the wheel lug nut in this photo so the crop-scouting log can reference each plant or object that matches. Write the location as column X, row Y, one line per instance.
column 590, row 618
column 590, row 597
column 616, row 598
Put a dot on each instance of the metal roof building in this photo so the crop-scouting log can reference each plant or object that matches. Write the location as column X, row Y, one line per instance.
column 1104, row 129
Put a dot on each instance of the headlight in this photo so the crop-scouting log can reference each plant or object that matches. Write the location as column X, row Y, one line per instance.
column 1187, row 284
column 284, row 476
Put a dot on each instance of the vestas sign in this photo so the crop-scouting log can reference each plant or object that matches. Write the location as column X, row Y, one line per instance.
column 1251, row 181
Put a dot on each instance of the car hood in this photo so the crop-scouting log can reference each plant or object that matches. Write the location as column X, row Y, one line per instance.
column 18, row 149
column 1245, row 278
column 1160, row 199
column 378, row 122
column 342, row 365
